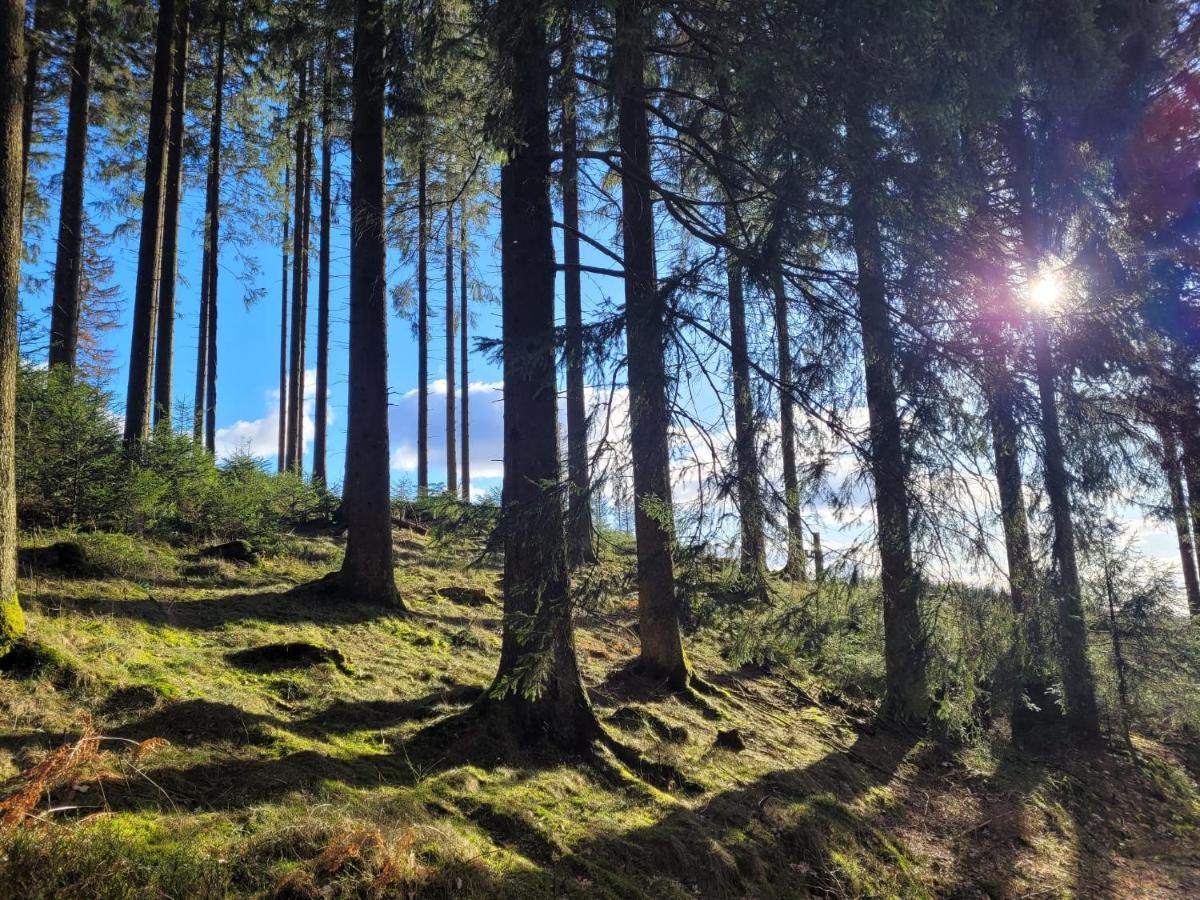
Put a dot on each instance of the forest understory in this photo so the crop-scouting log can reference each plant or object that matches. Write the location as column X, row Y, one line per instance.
column 195, row 726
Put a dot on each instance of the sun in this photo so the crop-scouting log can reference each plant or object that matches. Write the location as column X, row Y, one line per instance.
column 1046, row 291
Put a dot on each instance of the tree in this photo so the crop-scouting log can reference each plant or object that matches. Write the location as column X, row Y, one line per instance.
column 581, row 547
column 366, row 571
column 283, row 331
column 320, row 414
column 538, row 683
column 906, row 696
column 68, row 264
column 295, row 425
column 1173, row 469
column 205, row 415
column 141, row 353
column 165, row 341
column 463, row 328
column 12, row 101
column 646, row 326
column 451, row 449
column 422, row 323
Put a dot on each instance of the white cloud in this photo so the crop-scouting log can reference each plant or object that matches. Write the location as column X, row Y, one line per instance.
column 487, row 431
column 260, row 437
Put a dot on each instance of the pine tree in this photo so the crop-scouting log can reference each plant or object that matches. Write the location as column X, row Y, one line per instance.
column 366, row 572
column 538, row 684
column 141, row 354
column 165, row 341
column 12, row 101
column 646, row 327
column 68, row 265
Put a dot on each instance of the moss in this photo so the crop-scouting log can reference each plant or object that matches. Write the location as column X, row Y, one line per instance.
column 12, row 623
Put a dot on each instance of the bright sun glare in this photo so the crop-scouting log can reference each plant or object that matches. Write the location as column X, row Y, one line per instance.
column 1046, row 290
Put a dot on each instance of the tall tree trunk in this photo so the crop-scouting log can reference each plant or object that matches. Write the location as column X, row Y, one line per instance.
column 12, row 102
column 451, row 449
column 299, row 252
column 1191, row 472
column 212, row 240
column 646, row 337
column 283, row 332
column 581, row 548
column 422, row 329
column 320, row 414
column 68, row 265
column 165, row 344
column 1179, row 512
column 463, row 327
column 202, row 339
column 306, row 267
column 796, row 566
column 753, row 550
column 1078, row 682
column 1022, row 576
column 745, row 449
column 41, row 15
column 141, row 353
column 538, row 683
column 906, row 696
column 366, row 572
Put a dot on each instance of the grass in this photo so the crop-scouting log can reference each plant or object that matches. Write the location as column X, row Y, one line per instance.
column 348, row 764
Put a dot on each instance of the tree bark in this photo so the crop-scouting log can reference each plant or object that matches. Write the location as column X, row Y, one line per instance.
column 422, row 329
column 12, row 102
column 1191, row 472
column 463, row 327
column 299, row 252
column 662, row 651
column 283, row 332
column 753, row 550
column 366, row 572
column 1082, row 714
column 538, row 683
column 1078, row 681
column 306, row 269
column 68, row 264
column 1179, row 512
column 164, row 346
column 212, row 241
column 41, row 13
column 141, row 354
column 581, row 547
column 906, row 696
column 796, row 566
column 321, row 415
column 451, row 449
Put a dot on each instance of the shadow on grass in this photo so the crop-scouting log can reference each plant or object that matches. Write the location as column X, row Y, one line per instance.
column 305, row 603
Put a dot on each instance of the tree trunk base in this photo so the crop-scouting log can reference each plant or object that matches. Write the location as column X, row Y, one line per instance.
column 338, row 585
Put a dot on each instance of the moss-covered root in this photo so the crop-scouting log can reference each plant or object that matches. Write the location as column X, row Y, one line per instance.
column 12, row 623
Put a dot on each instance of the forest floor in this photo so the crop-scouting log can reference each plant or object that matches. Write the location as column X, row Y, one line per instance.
column 260, row 739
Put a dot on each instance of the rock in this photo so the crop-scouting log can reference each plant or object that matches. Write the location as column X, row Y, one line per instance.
column 730, row 739
column 234, row 551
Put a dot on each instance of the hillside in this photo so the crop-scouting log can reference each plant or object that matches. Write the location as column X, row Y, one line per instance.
column 257, row 738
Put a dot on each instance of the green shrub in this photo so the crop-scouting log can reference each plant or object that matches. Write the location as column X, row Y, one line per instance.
column 73, row 471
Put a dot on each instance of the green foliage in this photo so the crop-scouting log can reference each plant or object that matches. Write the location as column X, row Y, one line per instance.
column 73, row 471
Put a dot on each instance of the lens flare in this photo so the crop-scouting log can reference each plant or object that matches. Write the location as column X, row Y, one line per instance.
column 1046, row 291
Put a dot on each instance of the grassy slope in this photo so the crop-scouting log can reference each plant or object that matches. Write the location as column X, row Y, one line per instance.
column 369, row 778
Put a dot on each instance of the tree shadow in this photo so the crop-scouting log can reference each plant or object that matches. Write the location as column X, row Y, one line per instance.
column 778, row 829
column 296, row 605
